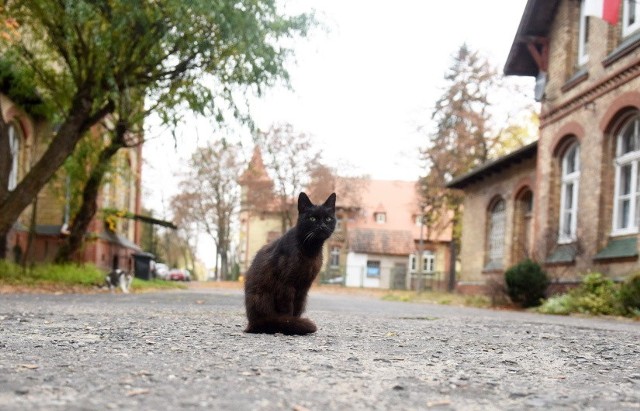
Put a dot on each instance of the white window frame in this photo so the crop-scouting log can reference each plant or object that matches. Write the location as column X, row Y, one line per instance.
column 627, row 27
column 621, row 161
column 569, row 179
column 428, row 262
column 381, row 218
column 583, row 36
column 496, row 233
column 334, row 257
column 14, row 152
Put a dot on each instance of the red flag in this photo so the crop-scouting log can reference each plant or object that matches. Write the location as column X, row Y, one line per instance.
column 607, row 10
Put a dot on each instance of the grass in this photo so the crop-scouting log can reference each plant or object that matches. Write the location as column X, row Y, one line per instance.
column 438, row 297
column 85, row 276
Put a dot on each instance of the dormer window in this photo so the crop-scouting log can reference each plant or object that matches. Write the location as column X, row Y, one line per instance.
column 380, row 218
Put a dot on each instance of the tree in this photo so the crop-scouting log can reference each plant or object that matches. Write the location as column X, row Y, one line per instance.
column 84, row 55
column 210, row 195
column 121, row 137
column 324, row 180
column 462, row 137
column 290, row 158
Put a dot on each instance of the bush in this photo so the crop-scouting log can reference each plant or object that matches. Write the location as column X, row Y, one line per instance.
column 558, row 304
column 526, row 283
column 629, row 295
column 596, row 295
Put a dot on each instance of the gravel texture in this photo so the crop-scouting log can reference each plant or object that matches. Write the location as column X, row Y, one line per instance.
column 186, row 350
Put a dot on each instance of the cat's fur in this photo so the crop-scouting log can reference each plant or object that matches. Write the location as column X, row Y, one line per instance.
column 118, row 278
column 282, row 272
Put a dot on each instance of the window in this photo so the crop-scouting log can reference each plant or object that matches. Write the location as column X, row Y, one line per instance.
column 428, row 262
column 14, row 150
column 583, row 36
column 630, row 21
column 626, row 209
column 569, row 194
column 373, row 269
column 334, row 258
column 496, row 234
column 381, row 218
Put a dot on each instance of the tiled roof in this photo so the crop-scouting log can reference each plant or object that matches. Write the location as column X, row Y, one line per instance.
column 399, row 200
column 372, row 241
column 256, row 171
column 495, row 166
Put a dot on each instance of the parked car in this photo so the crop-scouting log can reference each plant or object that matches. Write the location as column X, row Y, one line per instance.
column 179, row 274
column 161, row 271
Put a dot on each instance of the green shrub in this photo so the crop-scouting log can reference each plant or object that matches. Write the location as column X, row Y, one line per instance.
column 629, row 295
column 558, row 304
column 597, row 295
column 526, row 283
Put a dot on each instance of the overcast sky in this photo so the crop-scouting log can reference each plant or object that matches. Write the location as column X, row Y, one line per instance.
column 362, row 88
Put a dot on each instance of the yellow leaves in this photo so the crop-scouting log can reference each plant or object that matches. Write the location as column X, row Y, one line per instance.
column 8, row 28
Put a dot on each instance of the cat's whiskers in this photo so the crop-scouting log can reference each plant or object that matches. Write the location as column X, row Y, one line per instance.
column 308, row 237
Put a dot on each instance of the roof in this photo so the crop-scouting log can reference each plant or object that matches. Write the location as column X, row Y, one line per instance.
column 388, row 242
column 515, row 157
column 256, row 171
column 119, row 240
column 398, row 199
column 535, row 22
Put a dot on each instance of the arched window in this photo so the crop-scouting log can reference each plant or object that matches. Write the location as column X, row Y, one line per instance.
column 15, row 143
column 570, row 182
column 626, row 207
column 496, row 235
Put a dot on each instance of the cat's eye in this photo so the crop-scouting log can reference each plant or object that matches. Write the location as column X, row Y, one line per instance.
column 312, row 219
column 328, row 219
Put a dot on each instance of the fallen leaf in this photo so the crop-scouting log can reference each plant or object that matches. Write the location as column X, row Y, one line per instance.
column 138, row 391
column 29, row 366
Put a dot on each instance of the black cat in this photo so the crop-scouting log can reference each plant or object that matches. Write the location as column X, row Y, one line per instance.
column 282, row 272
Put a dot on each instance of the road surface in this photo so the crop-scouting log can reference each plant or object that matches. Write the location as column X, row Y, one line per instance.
column 183, row 350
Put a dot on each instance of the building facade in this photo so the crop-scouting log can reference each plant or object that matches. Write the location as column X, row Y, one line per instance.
column 377, row 239
column 585, row 182
column 42, row 227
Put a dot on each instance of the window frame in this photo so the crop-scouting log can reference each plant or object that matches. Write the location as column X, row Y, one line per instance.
column 628, row 29
column 566, row 179
column 373, row 264
column 428, row 260
column 380, row 217
column 583, row 36
column 334, row 254
column 496, row 249
column 622, row 160
column 16, row 143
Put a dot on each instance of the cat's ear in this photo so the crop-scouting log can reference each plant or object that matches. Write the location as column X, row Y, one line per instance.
column 303, row 202
column 331, row 202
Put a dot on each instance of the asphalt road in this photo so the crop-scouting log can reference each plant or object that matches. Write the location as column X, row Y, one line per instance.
column 186, row 350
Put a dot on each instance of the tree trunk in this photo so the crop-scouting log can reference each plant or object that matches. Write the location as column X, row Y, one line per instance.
column 89, row 205
column 80, row 118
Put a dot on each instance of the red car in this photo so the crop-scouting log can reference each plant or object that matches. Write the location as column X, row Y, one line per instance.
column 179, row 274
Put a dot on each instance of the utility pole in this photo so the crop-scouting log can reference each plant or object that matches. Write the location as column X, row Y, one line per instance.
column 419, row 257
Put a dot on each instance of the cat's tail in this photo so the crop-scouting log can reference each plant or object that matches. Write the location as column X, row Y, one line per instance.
column 287, row 325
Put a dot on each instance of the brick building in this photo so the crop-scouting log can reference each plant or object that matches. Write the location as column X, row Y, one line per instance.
column 39, row 242
column 584, row 170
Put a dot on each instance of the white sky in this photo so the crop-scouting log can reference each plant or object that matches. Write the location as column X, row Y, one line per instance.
column 362, row 88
